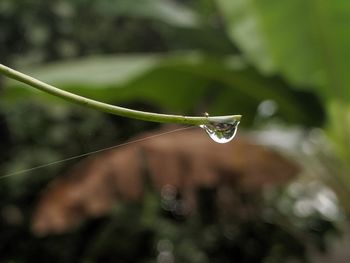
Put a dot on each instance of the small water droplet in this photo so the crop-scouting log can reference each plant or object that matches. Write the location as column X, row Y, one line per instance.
column 221, row 132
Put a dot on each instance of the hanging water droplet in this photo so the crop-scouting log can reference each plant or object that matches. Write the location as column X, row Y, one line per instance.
column 221, row 132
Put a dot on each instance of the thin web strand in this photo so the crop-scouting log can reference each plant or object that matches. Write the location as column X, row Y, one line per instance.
column 93, row 152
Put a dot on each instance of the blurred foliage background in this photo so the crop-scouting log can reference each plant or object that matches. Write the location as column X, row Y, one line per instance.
column 281, row 64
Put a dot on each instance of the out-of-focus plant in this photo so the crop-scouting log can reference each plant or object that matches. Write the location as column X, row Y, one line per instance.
column 311, row 53
column 183, row 50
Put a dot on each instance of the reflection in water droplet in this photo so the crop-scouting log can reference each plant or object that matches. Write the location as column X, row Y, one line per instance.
column 221, row 132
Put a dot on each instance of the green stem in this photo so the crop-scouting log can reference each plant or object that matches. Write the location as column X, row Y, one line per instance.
column 141, row 115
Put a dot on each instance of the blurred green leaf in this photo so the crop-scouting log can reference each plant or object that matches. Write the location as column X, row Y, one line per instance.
column 306, row 41
column 177, row 82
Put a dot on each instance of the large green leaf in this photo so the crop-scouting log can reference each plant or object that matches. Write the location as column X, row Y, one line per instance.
column 177, row 82
column 305, row 40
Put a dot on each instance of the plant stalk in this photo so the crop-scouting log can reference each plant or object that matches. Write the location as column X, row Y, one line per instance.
column 125, row 112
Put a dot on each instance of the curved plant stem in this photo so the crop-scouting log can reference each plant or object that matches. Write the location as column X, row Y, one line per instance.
column 141, row 115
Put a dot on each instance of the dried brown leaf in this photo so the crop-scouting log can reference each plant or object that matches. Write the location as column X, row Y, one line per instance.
column 186, row 160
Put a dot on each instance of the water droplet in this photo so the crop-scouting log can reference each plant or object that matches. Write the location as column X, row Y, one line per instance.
column 221, row 132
